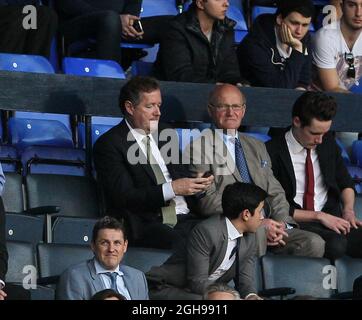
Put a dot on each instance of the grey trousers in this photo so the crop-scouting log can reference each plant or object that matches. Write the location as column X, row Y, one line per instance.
column 298, row 243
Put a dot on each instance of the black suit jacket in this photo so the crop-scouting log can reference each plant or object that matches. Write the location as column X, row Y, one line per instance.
column 129, row 188
column 3, row 251
column 335, row 174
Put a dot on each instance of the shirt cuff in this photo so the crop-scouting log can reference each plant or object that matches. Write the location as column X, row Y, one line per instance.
column 250, row 294
column 167, row 191
column 2, row 284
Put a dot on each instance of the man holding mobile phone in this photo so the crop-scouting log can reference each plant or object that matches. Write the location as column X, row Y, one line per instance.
column 277, row 53
column 109, row 22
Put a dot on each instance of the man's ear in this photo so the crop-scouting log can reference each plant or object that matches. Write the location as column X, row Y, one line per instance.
column 245, row 215
column 128, row 105
column 279, row 20
column 200, row 4
column 296, row 122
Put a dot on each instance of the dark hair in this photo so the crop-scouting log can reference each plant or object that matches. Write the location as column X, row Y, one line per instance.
column 107, row 293
column 314, row 105
column 132, row 90
column 240, row 196
column 108, row 222
column 303, row 7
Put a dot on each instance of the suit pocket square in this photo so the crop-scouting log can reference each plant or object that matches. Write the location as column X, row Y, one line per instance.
column 264, row 163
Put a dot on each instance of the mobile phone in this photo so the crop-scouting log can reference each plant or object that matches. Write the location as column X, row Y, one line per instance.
column 138, row 25
column 207, row 174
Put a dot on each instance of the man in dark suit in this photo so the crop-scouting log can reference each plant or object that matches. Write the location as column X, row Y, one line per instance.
column 105, row 270
column 218, row 250
column 131, row 163
column 307, row 162
column 108, row 21
column 3, row 251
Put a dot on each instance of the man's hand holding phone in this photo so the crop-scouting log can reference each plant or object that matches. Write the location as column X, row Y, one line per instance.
column 131, row 26
column 287, row 38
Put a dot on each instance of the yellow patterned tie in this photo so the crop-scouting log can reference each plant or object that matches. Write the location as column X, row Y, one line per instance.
column 169, row 212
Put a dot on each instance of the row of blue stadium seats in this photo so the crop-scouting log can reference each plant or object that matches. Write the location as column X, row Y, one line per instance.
column 301, row 276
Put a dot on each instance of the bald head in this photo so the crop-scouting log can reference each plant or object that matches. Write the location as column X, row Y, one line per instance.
column 226, row 106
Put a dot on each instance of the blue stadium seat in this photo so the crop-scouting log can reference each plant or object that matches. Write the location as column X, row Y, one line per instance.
column 93, row 68
column 357, row 87
column 348, row 269
column 152, row 8
column 25, row 63
column 53, row 160
column 73, row 230
column 100, row 125
column 260, row 136
column 344, row 152
column 9, row 159
column 141, row 68
column 240, row 28
column 258, row 10
column 357, row 152
column 306, row 275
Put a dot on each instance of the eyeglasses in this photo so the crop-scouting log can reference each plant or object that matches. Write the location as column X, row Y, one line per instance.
column 351, row 72
column 224, row 107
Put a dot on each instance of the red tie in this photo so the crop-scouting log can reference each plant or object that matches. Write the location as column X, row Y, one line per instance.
column 308, row 198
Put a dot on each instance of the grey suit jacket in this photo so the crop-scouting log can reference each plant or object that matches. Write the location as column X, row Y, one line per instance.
column 220, row 163
column 190, row 268
column 81, row 282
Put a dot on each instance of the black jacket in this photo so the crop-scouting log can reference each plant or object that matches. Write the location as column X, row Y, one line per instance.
column 68, row 9
column 261, row 64
column 335, row 174
column 186, row 55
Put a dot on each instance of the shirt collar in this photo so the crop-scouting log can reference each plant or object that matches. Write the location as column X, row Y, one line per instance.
column 100, row 269
column 138, row 134
column 233, row 233
column 294, row 146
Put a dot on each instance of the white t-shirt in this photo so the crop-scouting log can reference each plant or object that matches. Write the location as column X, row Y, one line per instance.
column 329, row 48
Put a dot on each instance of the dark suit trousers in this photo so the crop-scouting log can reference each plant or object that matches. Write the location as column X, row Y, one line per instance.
column 106, row 28
column 337, row 245
column 158, row 235
column 15, row 39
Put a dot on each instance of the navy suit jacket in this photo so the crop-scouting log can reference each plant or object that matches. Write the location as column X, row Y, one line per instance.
column 333, row 169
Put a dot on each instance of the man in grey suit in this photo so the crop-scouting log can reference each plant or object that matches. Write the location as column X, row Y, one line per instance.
column 218, row 250
column 104, row 271
column 231, row 156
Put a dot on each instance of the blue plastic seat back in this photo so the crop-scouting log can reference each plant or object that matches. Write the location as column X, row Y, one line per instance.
column 236, row 14
column 53, row 160
column 344, row 152
column 152, row 8
column 25, row 63
column 258, row 10
column 357, row 152
column 260, row 136
column 100, row 125
column 63, row 118
column 30, row 132
column 141, row 68
column 73, row 230
column 9, row 158
column 93, row 68
column 357, row 88
column 348, row 269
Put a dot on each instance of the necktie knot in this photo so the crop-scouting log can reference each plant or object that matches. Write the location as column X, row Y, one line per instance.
column 113, row 277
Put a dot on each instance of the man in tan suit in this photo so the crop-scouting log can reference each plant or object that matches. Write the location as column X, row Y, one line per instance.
column 231, row 156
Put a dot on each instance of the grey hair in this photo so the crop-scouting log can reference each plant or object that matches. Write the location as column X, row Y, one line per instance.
column 220, row 287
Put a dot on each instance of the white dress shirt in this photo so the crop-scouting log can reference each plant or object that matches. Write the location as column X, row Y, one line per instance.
column 121, row 286
column 226, row 264
column 298, row 155
column 168, row 193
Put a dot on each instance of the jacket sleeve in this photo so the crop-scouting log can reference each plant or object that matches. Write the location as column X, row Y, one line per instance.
column 113, row 172
column 69, row 287
column 266, row 73
column 132, row 7
column 199, row 250
column 230, row 72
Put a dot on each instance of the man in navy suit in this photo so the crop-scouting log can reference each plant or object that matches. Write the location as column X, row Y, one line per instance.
column 308, row 164
column 104, row 271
